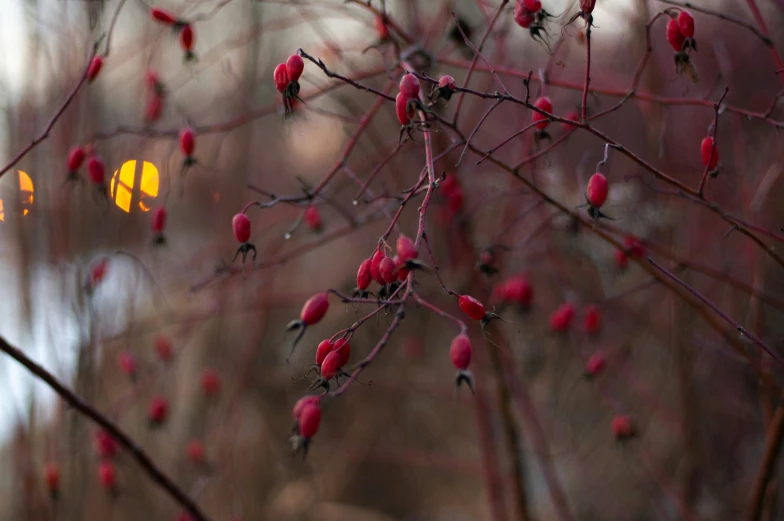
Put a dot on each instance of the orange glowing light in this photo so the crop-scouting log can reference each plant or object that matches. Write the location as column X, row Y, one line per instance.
column 25, row 195
column 127, row 177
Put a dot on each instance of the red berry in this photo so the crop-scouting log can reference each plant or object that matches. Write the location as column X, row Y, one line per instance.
column 621, row 259
column 450, row 184
column 96, row 169
column 446, row 82
column 210, row 382
column 313, row 218
column 162, row 15
column 387, row 270
column 154, row 108
column 686, row 24
column 94, row 68
column 163, row 347
column 153, row 80
column 592, row 320
column 375, row 263
column 331, row 365
column 309, row 420
column 401, row 108
column 281, row 77
column 127, row 363
column 343, row 349
column 460, row 352
column 241, row 226
column 622, row 427
column 402, row 271
column 597, row 190
column 572, row 116
column 409, row 86
column 543, row 103
column 98, row 271
column 595, row 364
column 186, row 38
column 561, row 318
column 159, row 220
column 634, row 247
column 158, row 410
column 105, row 445
column 195, row 451
column 674, row 35
column 533, row 6
column 75, row 158
column 516, row 290
column 52, row 477
column 302, row 403
column 381, row 28
column 323, row 349
column 706, row 147
column 187, row 141
column 363, row 275
column 107, row 475
column 294, row 67
column 522, row 16
column 472, row 307
column 405, row 249
column 314, row 309
column 586, row 6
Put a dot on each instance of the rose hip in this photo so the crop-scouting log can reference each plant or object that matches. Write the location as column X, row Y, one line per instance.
column 401, row 108
column 94, row 68
column 363, row 275
column 562, row 317
column 294, row 67
column 544, row 104
column 107, row 476
column 96, row 169
column 330, row 367
column 309, row 420
column 158, row 411
column 709, row 153
column 195, row 451
column 472, row 307
column 686, row 24
column 240, row 224
column 409, row 86
column 387, row 270
column 163, row 347
column 162, row 15
column 674, row 35
column 622, row 427
column 313, row 219
column 52, row 478
column 186, row 41
column 303, row 402
column 281, row 77
column 210, row 382
column 76, row 158
column 595, row 364
column 324, row 348
column 314, row 309
column 375, row 264
column 405, row 248
column 592, row 320
column 597, row 190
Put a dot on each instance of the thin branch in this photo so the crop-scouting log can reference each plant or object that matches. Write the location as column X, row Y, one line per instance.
column 75, row 401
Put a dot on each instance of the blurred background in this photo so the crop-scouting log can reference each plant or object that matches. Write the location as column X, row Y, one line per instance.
column 404, row 445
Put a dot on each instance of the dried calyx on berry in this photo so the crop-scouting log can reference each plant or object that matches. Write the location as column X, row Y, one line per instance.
column 240, row 224
column 312, row 312
column 445, row 88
